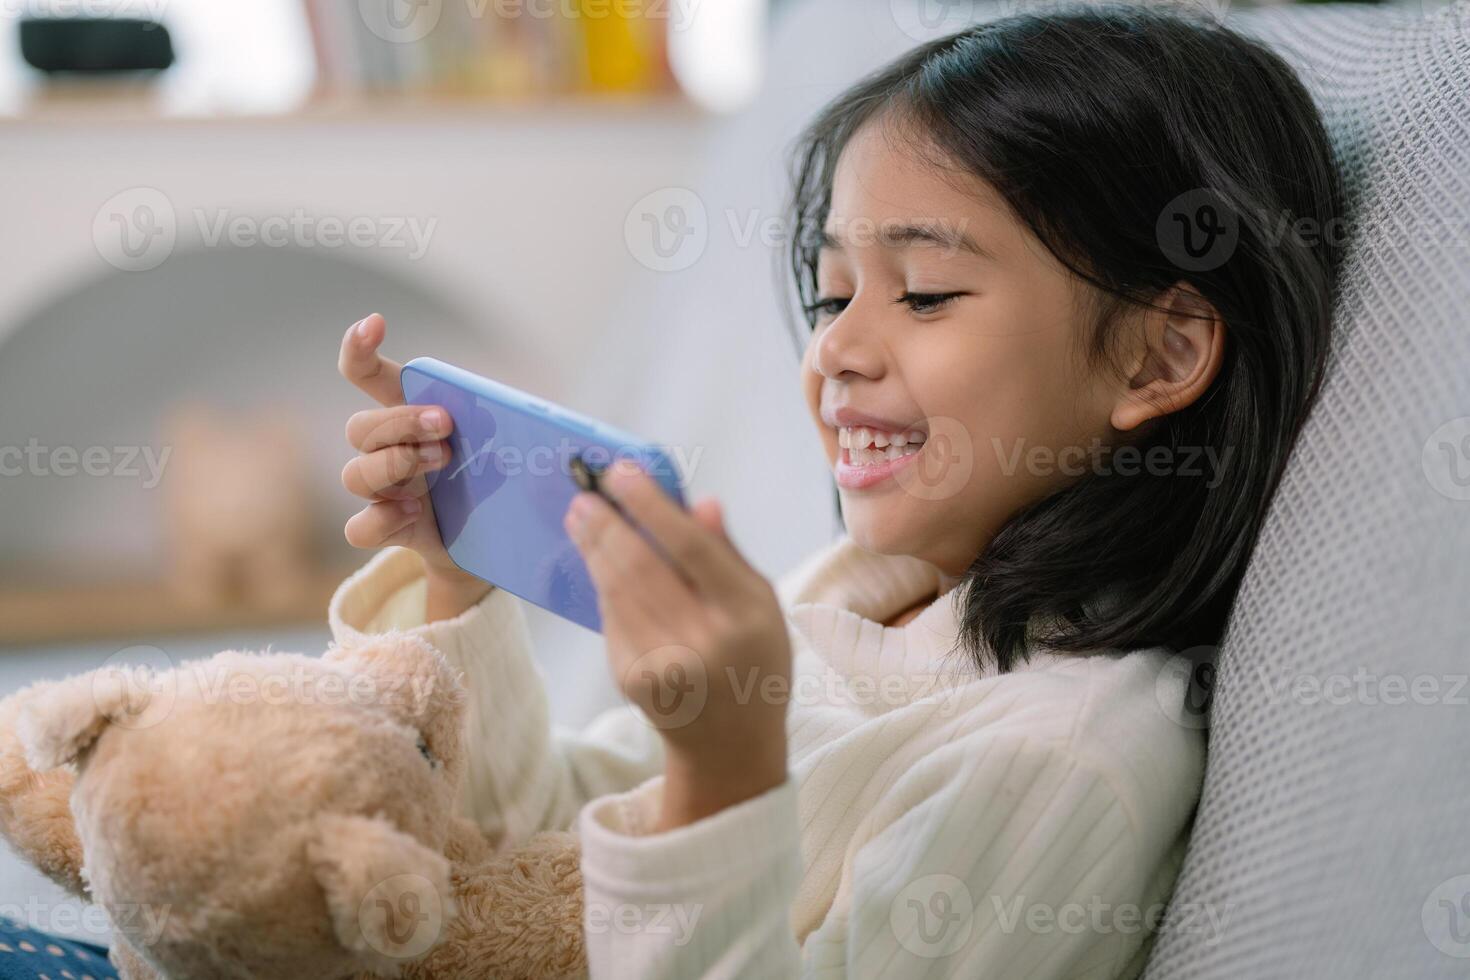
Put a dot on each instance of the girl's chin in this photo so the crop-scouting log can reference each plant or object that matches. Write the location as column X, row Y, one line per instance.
column 874, row 530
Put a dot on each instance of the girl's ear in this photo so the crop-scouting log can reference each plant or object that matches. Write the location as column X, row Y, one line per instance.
column 1178, row 355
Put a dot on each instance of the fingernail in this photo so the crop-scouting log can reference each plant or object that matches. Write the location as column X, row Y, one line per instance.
column 412, row 506
column 361, row 328
column 431, row 420
column 430, row 453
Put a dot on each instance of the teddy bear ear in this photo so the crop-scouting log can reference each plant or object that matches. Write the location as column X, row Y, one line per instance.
column 388, row 895
column 410, row 677
column 62, row 721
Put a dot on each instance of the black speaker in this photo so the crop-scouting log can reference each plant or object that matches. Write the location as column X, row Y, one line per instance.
column 95, row 45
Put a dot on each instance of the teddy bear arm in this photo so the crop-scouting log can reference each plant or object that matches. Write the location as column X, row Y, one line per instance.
column 35, row 807
column 520, row 915
column 38, row 824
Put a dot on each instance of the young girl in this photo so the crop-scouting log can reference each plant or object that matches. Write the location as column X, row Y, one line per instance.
column 1065, row 323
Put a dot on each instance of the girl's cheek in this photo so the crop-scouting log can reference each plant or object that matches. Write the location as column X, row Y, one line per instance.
column 811, row 383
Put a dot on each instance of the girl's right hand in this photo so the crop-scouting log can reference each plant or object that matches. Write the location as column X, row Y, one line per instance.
column 397, row 445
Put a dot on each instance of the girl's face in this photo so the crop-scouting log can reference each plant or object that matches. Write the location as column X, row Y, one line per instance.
column 946, row 371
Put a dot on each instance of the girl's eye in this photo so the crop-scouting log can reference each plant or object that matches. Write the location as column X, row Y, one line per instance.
column 826, row 306
column 928, row 302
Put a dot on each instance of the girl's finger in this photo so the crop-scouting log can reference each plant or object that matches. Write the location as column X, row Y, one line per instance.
column 708, row 560
column 626, row 571
column 360, row 363
column 386, row 472
column 381, row 523
column 411, row 489
column 375, row 428
column 708, row 514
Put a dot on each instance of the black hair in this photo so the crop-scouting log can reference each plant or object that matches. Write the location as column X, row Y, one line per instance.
column 1107, row 129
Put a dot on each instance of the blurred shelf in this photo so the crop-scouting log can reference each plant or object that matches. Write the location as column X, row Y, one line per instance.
column 130, row 109
column 91, row 612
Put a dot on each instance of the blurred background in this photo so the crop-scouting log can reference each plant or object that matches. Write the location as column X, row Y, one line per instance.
column 582, row 198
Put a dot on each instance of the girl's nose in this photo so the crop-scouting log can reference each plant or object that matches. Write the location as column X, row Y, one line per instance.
column 848, row 347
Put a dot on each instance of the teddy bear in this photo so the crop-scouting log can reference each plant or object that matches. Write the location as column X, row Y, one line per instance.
column 282, row 816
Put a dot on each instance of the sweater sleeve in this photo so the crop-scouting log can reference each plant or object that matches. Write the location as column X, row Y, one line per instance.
column 523, row 774
column 995, row 856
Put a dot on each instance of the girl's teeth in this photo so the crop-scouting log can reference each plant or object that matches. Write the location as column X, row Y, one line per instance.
column 866, row 447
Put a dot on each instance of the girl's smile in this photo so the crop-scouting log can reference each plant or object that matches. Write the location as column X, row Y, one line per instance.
column 870, row 449
column 866, row 464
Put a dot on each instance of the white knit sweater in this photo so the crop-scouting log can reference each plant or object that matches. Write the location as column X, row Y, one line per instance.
column 938, row 821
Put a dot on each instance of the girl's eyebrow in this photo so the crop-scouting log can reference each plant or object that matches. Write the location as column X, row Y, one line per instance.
column 942, row 235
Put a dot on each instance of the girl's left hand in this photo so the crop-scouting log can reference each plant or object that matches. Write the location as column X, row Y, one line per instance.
column 695, row 637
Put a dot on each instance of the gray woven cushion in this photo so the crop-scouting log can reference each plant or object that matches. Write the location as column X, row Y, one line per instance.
column 1334, row 825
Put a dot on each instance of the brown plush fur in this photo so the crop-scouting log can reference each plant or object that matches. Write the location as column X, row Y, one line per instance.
column 282, row 816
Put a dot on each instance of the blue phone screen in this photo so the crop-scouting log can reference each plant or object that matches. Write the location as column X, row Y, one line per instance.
column 512, row 473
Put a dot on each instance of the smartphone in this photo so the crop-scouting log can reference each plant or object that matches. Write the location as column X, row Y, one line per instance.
column 516, row 462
